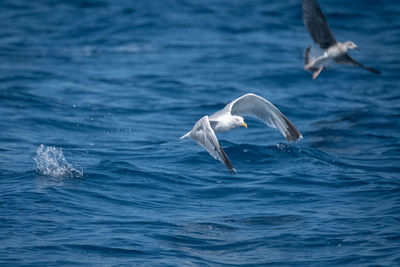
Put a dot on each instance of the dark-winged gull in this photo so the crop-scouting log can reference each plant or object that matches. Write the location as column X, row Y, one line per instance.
column 317, row 25
column 230, row 118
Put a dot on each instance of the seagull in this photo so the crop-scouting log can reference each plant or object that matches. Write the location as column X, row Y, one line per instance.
column 230, row 118
column 317, row 25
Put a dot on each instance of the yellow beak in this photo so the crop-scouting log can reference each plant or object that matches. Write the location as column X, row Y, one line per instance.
column 244, row 124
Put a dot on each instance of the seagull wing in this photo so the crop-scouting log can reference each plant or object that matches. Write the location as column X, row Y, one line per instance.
column 348, row 60
column 204, row 135
column 255, row 106
column 316, row 24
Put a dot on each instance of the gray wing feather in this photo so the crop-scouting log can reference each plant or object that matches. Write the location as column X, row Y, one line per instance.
column 316, row 24
column 255, row 106
column 348, row 60
column 204, row 135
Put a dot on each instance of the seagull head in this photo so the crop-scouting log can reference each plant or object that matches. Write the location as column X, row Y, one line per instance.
column 350, row 45
column 239, row 121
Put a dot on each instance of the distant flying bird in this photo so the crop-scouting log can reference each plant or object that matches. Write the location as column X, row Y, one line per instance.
column 317, row 25
column 230, row 118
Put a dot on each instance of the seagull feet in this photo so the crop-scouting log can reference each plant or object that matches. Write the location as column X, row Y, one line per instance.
column 316, row 73
column 309, row 66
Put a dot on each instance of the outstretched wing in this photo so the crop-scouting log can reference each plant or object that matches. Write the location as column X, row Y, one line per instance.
column 204, row 135
column 255, row 106
column 348, row 60
column 316, row 24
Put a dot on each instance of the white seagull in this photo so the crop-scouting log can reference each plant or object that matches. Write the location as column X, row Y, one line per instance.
column 230, row 118
column 317, row 25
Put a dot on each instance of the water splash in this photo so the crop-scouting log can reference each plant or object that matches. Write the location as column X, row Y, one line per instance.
column 52, row 162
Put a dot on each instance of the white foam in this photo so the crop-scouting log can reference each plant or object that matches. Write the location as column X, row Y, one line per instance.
column 51, row 161
column 132, row 48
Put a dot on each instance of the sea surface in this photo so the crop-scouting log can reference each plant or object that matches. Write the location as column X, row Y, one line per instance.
column 94, row 96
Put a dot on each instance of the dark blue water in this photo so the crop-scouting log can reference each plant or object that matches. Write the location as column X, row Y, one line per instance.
column 94, row 96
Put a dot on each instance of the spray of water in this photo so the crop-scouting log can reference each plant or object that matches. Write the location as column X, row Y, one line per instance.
column 51, row 161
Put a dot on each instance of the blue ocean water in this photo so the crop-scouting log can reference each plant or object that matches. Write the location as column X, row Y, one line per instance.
column 94, row 96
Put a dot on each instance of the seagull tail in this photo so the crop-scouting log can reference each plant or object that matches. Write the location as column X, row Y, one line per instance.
column 186, row 135
column 309, row 59
column 313, row 62
column 307, row 55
